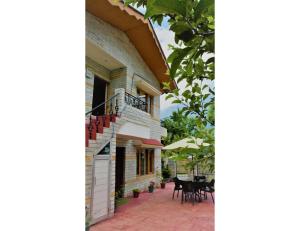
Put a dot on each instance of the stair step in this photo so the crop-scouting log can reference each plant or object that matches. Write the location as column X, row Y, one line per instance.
column 96, row 129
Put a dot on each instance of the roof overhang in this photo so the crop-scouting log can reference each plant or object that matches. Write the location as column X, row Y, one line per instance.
column 148, row 143
column 147, row 87
column 138, row 29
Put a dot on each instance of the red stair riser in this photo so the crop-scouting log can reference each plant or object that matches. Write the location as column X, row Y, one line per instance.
column 94, row 130
column 103, row 121
column 113, row 118
column 107, row 121
column 87, row 135
column 100, row 124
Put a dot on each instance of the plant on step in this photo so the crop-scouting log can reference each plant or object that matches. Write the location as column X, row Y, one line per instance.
column 136, row 192
column 119, row 200
column 87, row 219
column 151, row 186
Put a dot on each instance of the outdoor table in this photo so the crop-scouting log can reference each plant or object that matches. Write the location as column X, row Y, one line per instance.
column 196, row 186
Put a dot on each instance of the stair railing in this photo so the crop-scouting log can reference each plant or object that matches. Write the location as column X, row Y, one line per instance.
column 104, row 103
column 96, row 123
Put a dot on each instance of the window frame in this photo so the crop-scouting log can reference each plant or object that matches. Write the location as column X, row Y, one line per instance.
column 149, row 100
column 147, row 163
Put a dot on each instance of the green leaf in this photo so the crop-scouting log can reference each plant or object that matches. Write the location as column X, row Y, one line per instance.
column 205, row 96
column 156, row 7
column 166, row 85
column 206, row 105
column 173, row 55
column 176, row 101
column 187, row 93
column 169, row 96
column 180, row 79
column 186, row 113
column 176, row 91
column 176, row 62
column 179, row 27
column 203, row 5
column 186, row 36
column 189, row 68
column 210, row 60
column 158, row 19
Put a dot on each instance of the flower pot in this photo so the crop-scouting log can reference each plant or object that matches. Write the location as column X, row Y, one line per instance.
column 136, row 194
column 150, row 188
column 162, row 184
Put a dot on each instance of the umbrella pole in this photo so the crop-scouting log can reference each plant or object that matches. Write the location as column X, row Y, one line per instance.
column 193, row 166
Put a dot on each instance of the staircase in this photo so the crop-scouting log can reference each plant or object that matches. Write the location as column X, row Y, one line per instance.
column 96, row 126
column 100, row 129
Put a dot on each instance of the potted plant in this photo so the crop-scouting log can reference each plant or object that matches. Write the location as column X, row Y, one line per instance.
column 87, row 225
column 162, row 180
column 87, row 219
column 136, row 193
column 162, row 183
column 151, row 186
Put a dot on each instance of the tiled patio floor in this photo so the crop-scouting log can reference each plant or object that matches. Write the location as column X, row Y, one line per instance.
column 157, row 211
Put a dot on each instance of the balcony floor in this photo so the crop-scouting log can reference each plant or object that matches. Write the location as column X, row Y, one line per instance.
column 157, row 211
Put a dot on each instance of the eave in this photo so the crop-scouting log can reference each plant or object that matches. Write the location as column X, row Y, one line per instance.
column 140, row 32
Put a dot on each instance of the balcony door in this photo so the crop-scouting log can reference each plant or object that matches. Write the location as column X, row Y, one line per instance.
column 99, row 95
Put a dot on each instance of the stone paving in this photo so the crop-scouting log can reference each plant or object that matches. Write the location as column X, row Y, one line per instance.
column 157, row 211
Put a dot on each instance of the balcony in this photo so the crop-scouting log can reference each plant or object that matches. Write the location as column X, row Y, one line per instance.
column 135, row 102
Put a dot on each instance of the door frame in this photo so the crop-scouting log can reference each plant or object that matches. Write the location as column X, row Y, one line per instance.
column 106, row 89
column 100, row 157
column 124, row 165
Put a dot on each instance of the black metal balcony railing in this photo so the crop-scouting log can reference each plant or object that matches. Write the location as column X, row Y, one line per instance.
column 135, row 102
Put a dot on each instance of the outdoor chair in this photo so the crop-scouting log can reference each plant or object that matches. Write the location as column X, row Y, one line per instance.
column 209, row 188
column 197, row 186
column 189, row 192
column 199, row 178
column 177, row 187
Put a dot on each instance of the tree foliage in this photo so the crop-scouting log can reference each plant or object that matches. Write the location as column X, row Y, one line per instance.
column 192, row 60
column 179, row 127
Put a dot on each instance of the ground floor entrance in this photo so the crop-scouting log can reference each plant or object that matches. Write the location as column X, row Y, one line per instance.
column 120, row 171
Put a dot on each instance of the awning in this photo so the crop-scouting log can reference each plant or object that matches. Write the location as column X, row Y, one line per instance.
column 148, row 143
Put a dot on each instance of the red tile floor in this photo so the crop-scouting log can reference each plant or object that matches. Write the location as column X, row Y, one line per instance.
column 157, row 211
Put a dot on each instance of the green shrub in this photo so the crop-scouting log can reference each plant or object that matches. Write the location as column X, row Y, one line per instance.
column 136, row 190
column 166, row 172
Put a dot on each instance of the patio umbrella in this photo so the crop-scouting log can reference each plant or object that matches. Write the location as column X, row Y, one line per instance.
column 190, row 143
column 186, row 143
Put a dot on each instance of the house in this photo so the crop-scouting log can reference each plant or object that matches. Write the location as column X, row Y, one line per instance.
column 125, row 69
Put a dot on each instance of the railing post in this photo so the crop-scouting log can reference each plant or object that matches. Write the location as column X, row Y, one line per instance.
column 90, row 127
column 117, row 107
